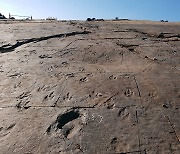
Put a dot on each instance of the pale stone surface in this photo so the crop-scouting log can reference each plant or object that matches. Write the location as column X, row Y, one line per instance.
column 89, row 87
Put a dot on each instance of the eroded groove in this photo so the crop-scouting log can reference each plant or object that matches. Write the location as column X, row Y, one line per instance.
column 137, row 86
column 168, row 35
column 65, row 48
column 118, row 38
column 122, row 57
column 133, row 152
column 140, row 32
column 10, row 48
column 138, row 132
column 128, row 45
column 174, row 130
column 59, row 97
column 50, row 106
column 107, row 100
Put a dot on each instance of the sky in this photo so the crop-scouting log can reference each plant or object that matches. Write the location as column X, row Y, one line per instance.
column 82, row 9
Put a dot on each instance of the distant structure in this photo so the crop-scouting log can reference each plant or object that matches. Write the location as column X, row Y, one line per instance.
column 51, row 18
column 120, row 19
column 99, row 19
column 25, row 17
column 91, row 19
column 164, row 21
column 2, row 16
column 94, row 19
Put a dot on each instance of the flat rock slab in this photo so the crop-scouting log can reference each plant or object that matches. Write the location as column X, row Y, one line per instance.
column 89, row 87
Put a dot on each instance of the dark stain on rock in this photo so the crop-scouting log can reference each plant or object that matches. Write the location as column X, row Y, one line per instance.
column 63, row 119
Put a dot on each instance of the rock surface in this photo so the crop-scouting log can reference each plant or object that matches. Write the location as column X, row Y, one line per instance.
column 89, row 87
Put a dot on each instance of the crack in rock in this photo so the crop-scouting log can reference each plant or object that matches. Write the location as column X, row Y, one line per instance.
column 168, row 35
column 10, row 48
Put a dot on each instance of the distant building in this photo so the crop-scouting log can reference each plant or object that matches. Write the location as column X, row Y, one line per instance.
column 51, row 18
column 164, row 21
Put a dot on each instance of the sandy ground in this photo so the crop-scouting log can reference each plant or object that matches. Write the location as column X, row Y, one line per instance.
column 89, row 87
